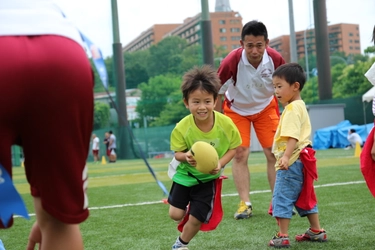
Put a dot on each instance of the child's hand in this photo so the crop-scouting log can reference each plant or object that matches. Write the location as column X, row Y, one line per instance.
column 190, row 159
column 284, row 163
column 217, row 169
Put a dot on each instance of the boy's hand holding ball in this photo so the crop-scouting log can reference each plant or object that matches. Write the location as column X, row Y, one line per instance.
column 204, row 157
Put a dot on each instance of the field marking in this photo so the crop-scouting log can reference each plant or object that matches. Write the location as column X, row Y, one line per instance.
column 223, row 195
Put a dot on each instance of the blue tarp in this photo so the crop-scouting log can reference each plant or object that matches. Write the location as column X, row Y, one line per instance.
column 335, row 136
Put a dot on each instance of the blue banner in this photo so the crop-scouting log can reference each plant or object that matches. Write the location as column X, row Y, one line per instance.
column 10, row 200
column 98, row 60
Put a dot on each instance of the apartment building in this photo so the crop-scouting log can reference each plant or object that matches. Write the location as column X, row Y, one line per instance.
column 151, row 36
column 342, row 37
column 226, row 32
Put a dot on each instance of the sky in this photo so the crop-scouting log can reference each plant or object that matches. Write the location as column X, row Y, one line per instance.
column 94, row 18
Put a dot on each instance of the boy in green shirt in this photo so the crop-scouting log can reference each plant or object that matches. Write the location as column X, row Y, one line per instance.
column 190, row 187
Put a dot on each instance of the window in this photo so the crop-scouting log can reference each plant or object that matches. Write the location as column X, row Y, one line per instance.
column 233, row 30
column 350, row 34
column 221, row 21
column 223, row 30
column 235, row 38
column 234, row 21
column 223, row 38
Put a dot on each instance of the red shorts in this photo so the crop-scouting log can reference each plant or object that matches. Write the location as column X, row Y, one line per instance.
column 265, row 124
column 108, row 152
column 95, row 152
column 47, row 95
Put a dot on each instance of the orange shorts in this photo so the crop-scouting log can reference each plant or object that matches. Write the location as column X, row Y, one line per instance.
column 265, row 124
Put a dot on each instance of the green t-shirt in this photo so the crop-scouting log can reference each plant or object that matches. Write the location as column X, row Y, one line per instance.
column 223, row 136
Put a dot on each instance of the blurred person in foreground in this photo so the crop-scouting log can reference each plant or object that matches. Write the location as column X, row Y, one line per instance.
column 295, row 160
column 47, row 89
column 367, row 157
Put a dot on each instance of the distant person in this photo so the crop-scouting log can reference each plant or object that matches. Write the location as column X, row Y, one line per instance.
column 47, row 88
column 191, row 187
column 246, row 78
column 112, row 147
column 295, row 160
column 353, row 138
column 95, row 148
column 106, row 142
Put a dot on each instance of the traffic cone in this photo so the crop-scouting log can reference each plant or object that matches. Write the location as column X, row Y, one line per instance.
column 103, row 160
column 358, row 150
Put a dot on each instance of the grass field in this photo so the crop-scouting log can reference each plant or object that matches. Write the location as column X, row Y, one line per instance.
column 126, row 211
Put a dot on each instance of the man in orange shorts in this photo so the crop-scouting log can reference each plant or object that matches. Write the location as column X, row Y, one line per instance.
column 246, row 77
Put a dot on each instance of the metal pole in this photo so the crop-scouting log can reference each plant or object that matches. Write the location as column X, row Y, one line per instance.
column 306, row 53
column 206, row 34
column 322, row 50
column 293, row 43
column 119, row 76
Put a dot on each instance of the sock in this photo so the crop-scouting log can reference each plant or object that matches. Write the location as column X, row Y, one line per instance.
column 315, row 231
column 282, row 235
column 183, row 242
column 248, row 203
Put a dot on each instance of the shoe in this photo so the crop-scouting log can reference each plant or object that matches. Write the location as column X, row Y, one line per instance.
column 279, row 241
column 294, row 212
column 244, row 211
column 348, row 147
column 311, row 236
column 179, row 246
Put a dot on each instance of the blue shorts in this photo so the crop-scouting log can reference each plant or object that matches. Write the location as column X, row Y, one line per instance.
column 287, row 189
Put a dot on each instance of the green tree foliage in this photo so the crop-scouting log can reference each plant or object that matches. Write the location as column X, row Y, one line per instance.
column 310, row 91
column 173, row 112
column 136, row 68
column 370, row 50
column 156, row 95
column 166, row 56
column 101, row 115
column 191, row 56
column 351, row 80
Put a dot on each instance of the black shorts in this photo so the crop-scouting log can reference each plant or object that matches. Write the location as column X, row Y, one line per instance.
column 200, row 197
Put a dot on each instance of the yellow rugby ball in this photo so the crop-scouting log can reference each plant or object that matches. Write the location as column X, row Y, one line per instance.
column 205, row 155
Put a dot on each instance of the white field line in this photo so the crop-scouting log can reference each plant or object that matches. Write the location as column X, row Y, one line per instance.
column 223, row 195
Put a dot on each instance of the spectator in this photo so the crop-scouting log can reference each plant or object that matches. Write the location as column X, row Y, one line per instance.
column 353, row 138
column 95, row 148
column 112, row 147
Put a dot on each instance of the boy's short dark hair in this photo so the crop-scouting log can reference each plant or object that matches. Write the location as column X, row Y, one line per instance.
column 352, row 130
column 291, row 73
column 254, row 28
column 110, row 132
column 204, row 78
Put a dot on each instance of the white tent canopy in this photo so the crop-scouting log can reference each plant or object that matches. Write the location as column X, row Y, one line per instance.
column 369, row 95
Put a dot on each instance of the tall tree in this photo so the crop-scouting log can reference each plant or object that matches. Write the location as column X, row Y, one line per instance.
column 156, row 95
column 166, row 56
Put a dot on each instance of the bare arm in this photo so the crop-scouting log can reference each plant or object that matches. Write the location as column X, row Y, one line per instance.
column 290, row 146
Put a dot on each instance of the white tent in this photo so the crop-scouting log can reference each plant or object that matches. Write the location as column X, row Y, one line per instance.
column 369, row 95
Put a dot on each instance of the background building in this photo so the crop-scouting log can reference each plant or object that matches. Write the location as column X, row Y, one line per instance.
column 226, row 28
column 342, row 38
column 149, row 37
